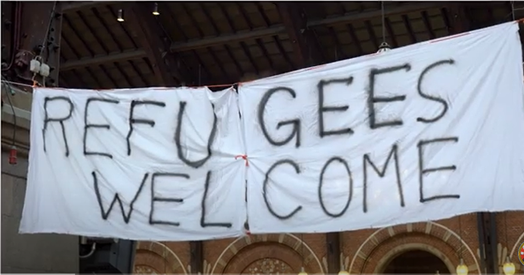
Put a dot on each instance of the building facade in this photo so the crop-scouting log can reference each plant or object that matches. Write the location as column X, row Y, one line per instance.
column 425, row 247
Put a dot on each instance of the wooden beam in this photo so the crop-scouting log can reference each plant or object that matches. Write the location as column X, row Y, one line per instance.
column 457, row 17
column 78, row 6
column 362, row 16
column 225, row 39
column 103, row 59
column 151, row 39
column 305, row 48
column 278, row 29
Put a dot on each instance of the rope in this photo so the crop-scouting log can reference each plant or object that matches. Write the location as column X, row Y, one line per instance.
column 244, row 157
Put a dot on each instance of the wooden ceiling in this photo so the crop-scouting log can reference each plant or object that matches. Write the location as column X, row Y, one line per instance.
column 204, row 43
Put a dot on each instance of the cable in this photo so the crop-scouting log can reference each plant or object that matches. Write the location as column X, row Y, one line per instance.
column 383, row 22
column 8, row 94
column 93, row 249
column 512, row 3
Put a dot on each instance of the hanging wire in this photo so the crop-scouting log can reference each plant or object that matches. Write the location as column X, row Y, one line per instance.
column 16, row 83
column 383, row 15
column 384, row 46
column 199, row 74
column 8, row 95
column 512, row 3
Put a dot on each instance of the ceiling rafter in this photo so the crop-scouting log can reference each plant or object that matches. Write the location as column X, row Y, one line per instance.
column 306, row 50
column 150, row 36
column 457, row 17
column 78, row 6
column 101, row 59
column 220, row 39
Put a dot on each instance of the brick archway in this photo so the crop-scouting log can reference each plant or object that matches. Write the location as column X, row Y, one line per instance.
column 428, row 234
column 254, row 247
column 513, row 254
column 381, row 256
column 158, row 258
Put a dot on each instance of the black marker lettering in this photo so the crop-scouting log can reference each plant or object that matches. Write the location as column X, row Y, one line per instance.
column 87, row 126
column 322, row 108
column 423, row 170
column 61, row 120
column 266, row 182
column 433, row 98
column 392, row 154
column 294, row 122
column 178, row 136
column 159, row 199
column 116, row 198
column 133, row 120
column 321, row 181
column 203, row 222
column 372, row 100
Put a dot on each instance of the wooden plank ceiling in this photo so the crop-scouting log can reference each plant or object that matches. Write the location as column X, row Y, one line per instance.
column 204, row 43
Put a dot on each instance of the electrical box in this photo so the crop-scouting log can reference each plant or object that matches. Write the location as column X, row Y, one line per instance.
column 110, row 257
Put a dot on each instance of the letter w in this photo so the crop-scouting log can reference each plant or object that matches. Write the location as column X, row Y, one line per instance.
column 116, row 198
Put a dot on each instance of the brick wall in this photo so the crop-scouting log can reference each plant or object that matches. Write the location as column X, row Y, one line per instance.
column 363, row 251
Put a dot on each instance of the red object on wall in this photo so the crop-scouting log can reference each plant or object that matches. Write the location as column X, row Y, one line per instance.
column 12, row 155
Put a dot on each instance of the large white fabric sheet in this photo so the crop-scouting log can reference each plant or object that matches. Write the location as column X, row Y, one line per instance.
column 61, row 194
column 423, row 132
column 479, row 78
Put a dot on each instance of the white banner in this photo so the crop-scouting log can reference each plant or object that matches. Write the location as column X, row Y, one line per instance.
column 144, row 164
column 423, row 132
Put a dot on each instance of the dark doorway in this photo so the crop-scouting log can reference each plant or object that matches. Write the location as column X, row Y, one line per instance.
column 416, row 262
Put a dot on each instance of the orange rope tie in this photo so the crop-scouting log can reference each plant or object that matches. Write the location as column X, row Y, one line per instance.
column 244, row 157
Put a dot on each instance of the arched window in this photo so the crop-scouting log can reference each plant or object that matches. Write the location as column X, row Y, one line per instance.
column 416, row 262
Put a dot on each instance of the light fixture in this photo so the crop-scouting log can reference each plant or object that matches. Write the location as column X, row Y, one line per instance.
column 155, row 10
column 343, row 272
column 462, row 269
column 508, row 267
column 120, row 17
column 302, row 271
column 384, row 47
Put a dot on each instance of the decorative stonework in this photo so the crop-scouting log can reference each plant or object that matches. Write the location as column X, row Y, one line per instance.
column 268, row 266
column 142, row 269
column 445, row 245
column 513, row 254
column 240, row 254
column 158, row 255
column 344, row 262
